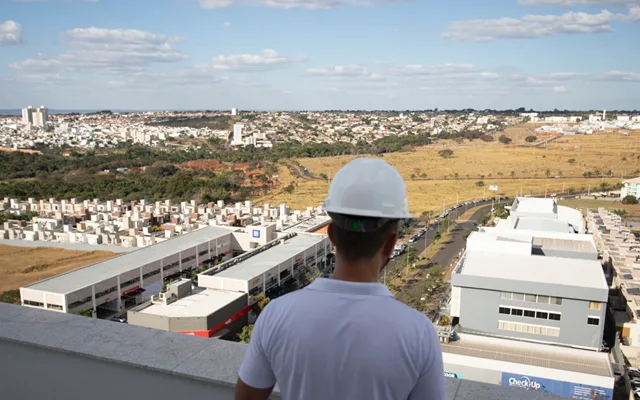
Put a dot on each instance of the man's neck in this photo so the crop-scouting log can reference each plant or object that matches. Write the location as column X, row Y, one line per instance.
column 358, row 271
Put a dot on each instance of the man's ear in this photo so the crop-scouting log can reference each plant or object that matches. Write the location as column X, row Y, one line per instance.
column 389, row 244
column 330, row 233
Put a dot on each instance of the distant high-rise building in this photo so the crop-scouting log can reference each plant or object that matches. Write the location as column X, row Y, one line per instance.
column 234, row 111
column 604, row 115
column 27, row 115
column 40, row 116
column 237, row 134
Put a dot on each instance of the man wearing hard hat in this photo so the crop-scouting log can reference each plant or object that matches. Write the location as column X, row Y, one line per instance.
column 347, row 337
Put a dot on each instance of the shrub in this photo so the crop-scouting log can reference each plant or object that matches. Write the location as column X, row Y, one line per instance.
column 531, row 139
column 630, row 200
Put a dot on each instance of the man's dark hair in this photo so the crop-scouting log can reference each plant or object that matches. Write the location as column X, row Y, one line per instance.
column 353, row 245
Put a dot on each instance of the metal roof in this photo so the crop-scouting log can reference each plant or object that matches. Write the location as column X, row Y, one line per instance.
column 565, row 244
column 96, row 273
column 198, row 304
column 527, row 353
column 535, row 205
column 533, row 268
column 263, row 262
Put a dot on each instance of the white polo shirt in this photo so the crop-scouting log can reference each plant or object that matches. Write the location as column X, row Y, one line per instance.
column 344, row 340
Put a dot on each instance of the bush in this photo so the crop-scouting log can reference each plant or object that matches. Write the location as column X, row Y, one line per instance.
column 486, row 138
column 480, row 183
column 571, row 160
column 630, row 200
column 531, row 139
column 504, row 139
column 446, row 153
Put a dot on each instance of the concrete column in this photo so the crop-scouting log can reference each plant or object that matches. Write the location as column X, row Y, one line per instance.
column 141, row 277
column 209, row 247
column 197, row 256
column 119, row 291
column 216, row 247
column 279, row 274
column 44, row 299
column 180, row 261
column 162, row 270
column 93, row 300
column 264, row 284
column 65, row 305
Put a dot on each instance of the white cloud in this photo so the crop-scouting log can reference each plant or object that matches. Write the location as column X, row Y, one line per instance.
column 568, row 75
column 10, row 33
column 620, row 76
column 559, row 89
column 344, row 71
column 536, row 26
column 417, row 69
column 227, row 25
column 567, row 3
column 108, row 50
column 267, row 59
column 288, row 4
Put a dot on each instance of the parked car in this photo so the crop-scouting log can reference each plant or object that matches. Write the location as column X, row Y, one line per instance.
column 120, row 318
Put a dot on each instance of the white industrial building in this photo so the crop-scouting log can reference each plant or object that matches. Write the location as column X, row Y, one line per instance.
column 111, row 280
column 270, row 266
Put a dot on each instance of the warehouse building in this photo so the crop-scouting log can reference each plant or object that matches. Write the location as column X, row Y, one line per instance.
column 199, row 312
column 567, row 372
column 226, row 292
column 533, row 285
column 529, row 213
column 119, row 278
column 269, row 267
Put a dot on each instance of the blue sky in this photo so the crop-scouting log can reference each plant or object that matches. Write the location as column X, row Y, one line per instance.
column 320, row 54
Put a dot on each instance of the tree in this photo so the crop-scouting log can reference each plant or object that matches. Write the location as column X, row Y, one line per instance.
column 11, row 297
column 630, row 199
column 619, row 211
column 571, row 160
column 480, row 183
column 530, row 139
column 245, row 335
column 547, row 173
column 409, row 257
column 513, row 174
column 324, row 176
column 437, row 236
column 289, row 188
column 446, row 153
column 504, row 139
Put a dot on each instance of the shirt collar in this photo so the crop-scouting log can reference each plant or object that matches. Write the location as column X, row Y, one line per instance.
column 357, row 288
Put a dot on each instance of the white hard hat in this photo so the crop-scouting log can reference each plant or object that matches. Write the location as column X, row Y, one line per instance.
column 368, row 187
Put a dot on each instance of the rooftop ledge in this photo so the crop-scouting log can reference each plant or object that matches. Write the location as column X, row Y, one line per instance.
column 46, row 352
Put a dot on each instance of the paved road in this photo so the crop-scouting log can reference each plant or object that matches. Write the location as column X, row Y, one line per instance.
column 452, row 247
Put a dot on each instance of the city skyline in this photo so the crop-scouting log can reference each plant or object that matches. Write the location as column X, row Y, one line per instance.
column 313, row 54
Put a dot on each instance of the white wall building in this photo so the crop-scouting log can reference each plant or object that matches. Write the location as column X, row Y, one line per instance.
column 40, row 116
column 237, row 134
column 27, row 115
column 234, row 111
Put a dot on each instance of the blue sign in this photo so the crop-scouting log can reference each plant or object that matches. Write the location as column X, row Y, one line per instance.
column 560, row 388
column 255, row 233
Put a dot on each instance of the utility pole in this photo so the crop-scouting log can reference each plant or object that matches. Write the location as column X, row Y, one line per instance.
column 484, row 194
column 563, row 187
column 589, row 191
column 443, row 205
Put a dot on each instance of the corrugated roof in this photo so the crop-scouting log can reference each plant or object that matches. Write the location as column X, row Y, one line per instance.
column 262, row 262
column 95, row 273
column 565, row 244
column 528, row 353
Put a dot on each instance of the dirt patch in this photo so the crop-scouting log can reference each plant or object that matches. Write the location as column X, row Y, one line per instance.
column 20, row 266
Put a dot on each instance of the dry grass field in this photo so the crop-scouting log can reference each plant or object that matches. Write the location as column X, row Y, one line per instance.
column 20, row 266
column 511, row 168
column 633, row 210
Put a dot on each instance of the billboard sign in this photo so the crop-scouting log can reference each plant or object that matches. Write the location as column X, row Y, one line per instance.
column 255, row 233
column 560, row 388
column 493, row 187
